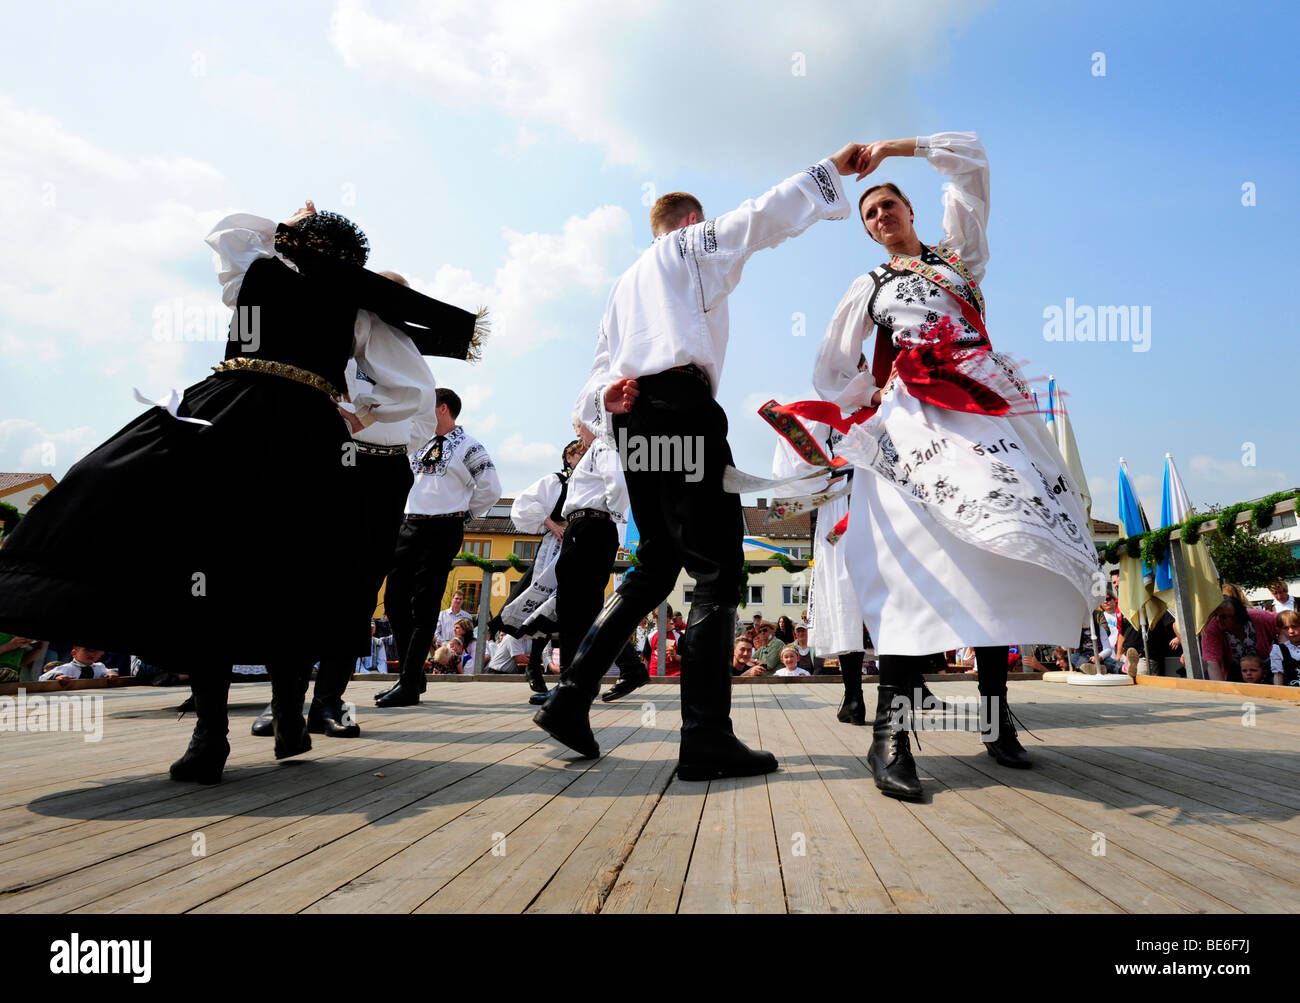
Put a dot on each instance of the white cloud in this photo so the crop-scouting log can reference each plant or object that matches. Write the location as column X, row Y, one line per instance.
column 629, row 77
column 543, row 273
column 26, row 447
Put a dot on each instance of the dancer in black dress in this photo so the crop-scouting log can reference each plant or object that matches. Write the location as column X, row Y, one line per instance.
column 227, row 504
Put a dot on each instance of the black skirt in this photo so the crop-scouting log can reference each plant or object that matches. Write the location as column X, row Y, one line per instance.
column 190, row 545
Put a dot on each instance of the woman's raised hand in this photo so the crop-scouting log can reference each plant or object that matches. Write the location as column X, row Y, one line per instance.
column 851, row 159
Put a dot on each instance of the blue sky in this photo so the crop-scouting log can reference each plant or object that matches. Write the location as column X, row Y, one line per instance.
column 502, row 154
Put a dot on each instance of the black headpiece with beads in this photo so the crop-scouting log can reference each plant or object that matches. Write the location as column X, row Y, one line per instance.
column 334, row 249
column 323, row 235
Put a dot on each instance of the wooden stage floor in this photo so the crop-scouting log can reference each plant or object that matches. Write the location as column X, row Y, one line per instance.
column 1142, row 800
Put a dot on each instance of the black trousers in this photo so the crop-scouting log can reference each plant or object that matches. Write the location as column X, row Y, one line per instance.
column 589, row 547
column 387, row 481
column 684, row 517
column 413, row 600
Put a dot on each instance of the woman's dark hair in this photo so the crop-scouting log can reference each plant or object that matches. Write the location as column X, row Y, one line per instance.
column 564, row 454
column 785, row 629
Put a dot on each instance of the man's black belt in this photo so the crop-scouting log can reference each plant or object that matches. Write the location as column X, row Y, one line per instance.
column 588, row 513
column 442, row 515
column 374, row 449
column 691, row 369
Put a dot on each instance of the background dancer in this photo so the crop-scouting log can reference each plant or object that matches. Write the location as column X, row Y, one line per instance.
column 658, row 362
column 454, row 480
column 530, row 610
column 966, row 527
column 399, row 396
column 217, row 558
column 596, row 516
column 834, row 614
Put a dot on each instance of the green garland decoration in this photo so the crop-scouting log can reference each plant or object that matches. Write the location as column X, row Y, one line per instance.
column 1153, row 545
column 513, row 560
column 1262, row 512
column 9, row 518
column 482, row 563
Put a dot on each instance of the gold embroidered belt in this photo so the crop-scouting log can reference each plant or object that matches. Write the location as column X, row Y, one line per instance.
column 304, row 376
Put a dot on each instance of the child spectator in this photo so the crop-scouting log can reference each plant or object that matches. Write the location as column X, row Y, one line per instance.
column 1284, row 659
column 85, row 664
column 1252, row 670
column 790, row 663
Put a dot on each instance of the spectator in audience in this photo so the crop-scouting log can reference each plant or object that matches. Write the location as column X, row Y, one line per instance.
column 377, row 660
column 1109, row 625
column 1062, row 659
column 670, row 634
column 447, row 619
column 13, row 650
column 511, row 655
column 1235, row 591
column 790, row 663
column 1284, row 659
column 1236, row 630
column 758, row 621
column 674, row 659
column 801, row 646
column 767, row 649
column 446, row 660
column 85, row 664
column 742, row 659
column 1252, row 670
column 463, row 629
column 785, row 630
column 1282, row 598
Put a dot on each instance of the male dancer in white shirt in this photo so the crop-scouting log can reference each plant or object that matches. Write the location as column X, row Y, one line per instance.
column 658, row 363
column 454, row 480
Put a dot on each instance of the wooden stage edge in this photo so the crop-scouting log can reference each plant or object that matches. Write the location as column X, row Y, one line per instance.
column 1291, row 693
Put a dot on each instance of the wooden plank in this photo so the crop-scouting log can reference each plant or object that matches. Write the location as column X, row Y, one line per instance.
column 824, row 867
column 584, row 880
column 162, row 847
column 735, row 865
column 531, row 854
column 1129, row 882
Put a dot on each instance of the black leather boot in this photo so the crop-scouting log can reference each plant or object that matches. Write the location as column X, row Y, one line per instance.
column 632, row 674
column 328, row 715
column 533, row 673
column 995, row 716
column 890, row 757
column 288, row 689
column 710, row 749
column 1005, row 747
column 205, row 759
column 853, row 710
column 566, row 714
column 264, row 724
column 406, row 692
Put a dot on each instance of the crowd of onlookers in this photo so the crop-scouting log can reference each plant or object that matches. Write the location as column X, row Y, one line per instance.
column 1241, row 643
